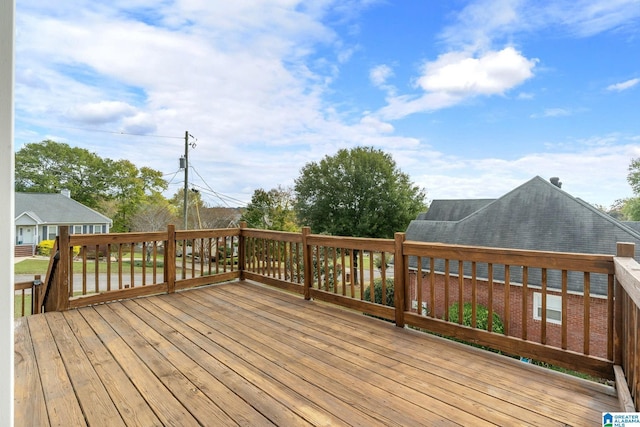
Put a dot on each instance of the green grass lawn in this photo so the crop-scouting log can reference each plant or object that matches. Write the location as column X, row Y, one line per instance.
column 40, row 266
column 32, row 266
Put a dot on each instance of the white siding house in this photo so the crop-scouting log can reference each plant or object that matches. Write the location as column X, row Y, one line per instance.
column 38, row 217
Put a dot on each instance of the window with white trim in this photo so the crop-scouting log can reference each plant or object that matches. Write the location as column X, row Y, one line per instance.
column 77, row 229
column 554, row 308
column 52, row 232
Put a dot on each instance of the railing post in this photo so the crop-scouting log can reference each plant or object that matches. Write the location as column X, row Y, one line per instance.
column 308, row 264
column 36, row 296
column 170, row 259
column 399, row 279
column 242, row 249
column 59, row 298
column 623, row 250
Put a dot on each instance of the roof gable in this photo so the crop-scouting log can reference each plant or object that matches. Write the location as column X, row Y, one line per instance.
column 534, row 216
column 55, row 208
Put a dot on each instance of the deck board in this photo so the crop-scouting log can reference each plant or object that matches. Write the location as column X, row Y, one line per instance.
column 245, row 354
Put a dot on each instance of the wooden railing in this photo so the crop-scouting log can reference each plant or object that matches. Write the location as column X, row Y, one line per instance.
column 627, row 328
column 410, row 283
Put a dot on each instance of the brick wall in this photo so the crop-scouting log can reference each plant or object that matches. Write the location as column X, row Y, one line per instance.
column 597, row 318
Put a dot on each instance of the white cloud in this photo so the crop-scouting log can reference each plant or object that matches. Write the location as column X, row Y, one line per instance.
column 484, row 22
column 101, row 112
column 579, row 166
column 552, row 112
column 457, row 76
column 379, row 74
column 628, row 84
column 492, row 73
column 481, row 22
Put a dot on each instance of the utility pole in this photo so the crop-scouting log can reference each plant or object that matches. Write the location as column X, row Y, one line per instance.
column 186, row 177
column 184, row 163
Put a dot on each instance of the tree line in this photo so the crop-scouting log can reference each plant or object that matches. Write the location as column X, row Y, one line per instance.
column 357, row 192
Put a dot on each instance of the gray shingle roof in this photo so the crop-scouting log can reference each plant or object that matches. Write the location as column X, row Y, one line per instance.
column 453, row 210
column 535, row 216
column 55, row 208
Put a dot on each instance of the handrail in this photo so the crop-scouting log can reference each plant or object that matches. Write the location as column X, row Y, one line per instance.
column 627, row 327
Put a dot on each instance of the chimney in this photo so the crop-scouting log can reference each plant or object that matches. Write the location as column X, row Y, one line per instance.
column 66, row 192
column 556, row 181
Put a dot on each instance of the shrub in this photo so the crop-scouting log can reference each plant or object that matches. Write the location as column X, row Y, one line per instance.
column 482, row 317
column 45, row 247
column 377, row 292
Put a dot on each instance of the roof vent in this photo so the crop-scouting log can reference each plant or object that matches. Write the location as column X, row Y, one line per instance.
column 556, row 181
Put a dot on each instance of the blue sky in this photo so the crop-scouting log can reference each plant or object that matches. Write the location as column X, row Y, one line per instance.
column 471, row 98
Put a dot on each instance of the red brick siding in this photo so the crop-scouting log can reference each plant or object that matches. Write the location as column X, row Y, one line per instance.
column 575, row 312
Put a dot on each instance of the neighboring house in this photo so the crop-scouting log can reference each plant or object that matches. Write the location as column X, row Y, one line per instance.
column 38, row 217
column 537, row 215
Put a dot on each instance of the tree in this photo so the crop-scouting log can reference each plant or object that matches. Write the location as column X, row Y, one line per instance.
column 220, row 217
column 631, row 206
column 358, row 192
column 271, row 210
column 117, row 188
column 49, row 166
column 153, row 214
column 130, row 187
column 194, row 205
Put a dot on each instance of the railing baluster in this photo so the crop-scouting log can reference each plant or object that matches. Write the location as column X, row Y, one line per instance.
column 587, row 312
column 96, row 265
column 419, row 281
column 543, row 327
column 490, row 299
column 446, row 289
column 108, row 266
column 507, row 304
column 460, row 291
column 565, row 304
column 474, row 294
column 432, row 284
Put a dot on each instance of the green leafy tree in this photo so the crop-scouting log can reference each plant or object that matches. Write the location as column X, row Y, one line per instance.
column 358, row 192
column 130, row 187
column 49, row 166
column 631, row 206
column 116, row 188
column 271, row 210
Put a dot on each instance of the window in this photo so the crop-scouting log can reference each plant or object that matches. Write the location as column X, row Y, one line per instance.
column 51, row 232
column 77, row 229
column 414, row 305
column 97, row 229
column 554, row 308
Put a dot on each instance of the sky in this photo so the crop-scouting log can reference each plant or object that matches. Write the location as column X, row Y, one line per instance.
column 470, row 98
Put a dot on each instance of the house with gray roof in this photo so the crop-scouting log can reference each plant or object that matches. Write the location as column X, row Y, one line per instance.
column 537, row 215
column 38, row 217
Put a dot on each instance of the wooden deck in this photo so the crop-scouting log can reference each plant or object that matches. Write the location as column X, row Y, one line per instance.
column 244, row 354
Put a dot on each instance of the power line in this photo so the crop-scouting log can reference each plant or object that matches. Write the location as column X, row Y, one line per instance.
column 219, row 195
column 117, row 132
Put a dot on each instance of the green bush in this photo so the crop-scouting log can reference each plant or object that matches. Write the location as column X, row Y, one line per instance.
column 377, row 292
column 482, row 317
